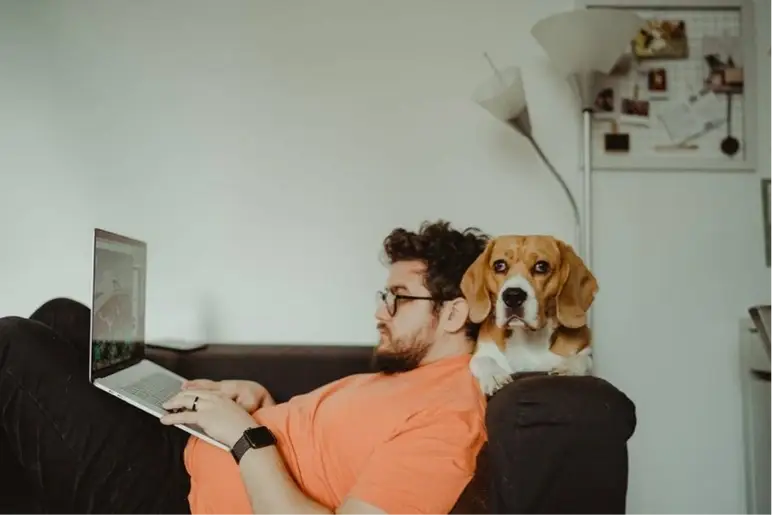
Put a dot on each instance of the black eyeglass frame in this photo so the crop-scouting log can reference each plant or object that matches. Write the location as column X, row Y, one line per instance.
column 392, row 311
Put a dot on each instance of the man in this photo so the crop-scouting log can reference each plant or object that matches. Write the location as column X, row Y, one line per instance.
column 401, row 440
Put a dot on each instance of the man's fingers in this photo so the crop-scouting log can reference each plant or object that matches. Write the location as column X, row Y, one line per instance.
column 248, row 402
column 231, row 390
column 186, row 399
column 183, row 417
column 179, row 402
column 202, row 384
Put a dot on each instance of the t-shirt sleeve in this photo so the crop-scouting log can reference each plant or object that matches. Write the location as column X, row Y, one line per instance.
column 425, row 467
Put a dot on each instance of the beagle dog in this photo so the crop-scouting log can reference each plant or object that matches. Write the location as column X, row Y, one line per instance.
column 531, row 294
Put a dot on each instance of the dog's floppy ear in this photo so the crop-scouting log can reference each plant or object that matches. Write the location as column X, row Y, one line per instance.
column 577, row 289
column 473, row 286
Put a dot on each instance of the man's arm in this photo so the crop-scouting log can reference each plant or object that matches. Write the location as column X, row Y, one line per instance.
column 268, row 484
column 272, row 490
column 270, row 487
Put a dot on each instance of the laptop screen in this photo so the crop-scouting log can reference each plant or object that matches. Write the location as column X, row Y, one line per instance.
column 118, row 303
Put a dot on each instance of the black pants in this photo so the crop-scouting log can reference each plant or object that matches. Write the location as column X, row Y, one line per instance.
column 68, row 447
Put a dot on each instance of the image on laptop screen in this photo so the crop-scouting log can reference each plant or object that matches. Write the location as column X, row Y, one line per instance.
column 118, row 314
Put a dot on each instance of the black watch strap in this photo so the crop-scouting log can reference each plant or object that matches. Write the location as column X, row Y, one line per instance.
column 253, row 438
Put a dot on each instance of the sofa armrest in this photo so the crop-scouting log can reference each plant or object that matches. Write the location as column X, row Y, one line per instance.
column 558, row 444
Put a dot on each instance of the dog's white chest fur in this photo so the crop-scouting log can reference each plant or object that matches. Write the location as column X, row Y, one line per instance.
column 525, row 351
column 529, row 351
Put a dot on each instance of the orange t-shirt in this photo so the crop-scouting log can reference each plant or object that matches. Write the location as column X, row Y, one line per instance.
column 406, row 443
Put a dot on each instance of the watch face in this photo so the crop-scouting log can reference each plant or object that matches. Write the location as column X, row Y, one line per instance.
column 259, row 437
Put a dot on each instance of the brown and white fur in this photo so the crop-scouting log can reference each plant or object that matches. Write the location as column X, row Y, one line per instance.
column 531, row 294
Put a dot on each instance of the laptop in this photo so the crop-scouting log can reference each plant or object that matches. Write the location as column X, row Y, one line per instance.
column 761, row 319
column 117, row 351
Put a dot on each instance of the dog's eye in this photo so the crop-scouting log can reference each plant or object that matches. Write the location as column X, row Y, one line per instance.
column 500, row 266
column 541, row 267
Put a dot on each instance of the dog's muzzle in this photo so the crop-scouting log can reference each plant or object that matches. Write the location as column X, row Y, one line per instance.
column 517, row 304
column 514, row 298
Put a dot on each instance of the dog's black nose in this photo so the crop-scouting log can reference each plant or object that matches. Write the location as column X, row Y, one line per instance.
column 514, row 297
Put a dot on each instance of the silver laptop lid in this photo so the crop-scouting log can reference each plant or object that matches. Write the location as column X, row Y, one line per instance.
column 760, row 317
column 117, row 303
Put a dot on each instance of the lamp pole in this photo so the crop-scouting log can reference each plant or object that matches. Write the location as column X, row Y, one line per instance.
column 585, row 83
column 586, row 246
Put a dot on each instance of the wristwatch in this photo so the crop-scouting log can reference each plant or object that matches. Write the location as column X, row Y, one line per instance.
column 253, row 438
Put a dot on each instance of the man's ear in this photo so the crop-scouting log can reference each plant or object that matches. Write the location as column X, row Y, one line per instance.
column 473, row 286
column 456, row 314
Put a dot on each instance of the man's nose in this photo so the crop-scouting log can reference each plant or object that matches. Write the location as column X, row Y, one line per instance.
column 381, row 313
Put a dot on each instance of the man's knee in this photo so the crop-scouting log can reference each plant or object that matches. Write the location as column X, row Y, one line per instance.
column 11, row 326
column 67, row 317
column 24, row 339
column 14, row 341
column 60, row 307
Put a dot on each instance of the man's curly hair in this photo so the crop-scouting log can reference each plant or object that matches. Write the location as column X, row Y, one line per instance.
column 445, row 251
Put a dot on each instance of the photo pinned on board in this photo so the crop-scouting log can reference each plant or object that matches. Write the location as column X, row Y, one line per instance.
column 635, row 112
column 694, row 116
column 657, row 84
column 616, row 142
column 604, row 107
column 723, row 64
column 661, row 39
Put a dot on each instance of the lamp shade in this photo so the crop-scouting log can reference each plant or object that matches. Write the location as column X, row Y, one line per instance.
column 502, row 94
column 587, row 40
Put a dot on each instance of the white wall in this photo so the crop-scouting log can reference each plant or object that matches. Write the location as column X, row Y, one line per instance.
column 241, row 138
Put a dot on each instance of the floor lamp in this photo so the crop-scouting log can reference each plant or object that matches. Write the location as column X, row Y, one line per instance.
column 583, row 44
column 503, row 95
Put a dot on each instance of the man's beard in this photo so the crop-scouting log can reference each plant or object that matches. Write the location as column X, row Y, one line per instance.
column 404, row 354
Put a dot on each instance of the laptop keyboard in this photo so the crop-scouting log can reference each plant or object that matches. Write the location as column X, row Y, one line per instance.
column 155, row 388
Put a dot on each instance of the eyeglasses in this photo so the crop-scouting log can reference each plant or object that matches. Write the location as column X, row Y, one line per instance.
column 390, row 299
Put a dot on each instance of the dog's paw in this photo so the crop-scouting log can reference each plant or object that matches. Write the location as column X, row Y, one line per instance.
column 494, row 383
column 490, row 375
column 561, row 370
column 576, row 365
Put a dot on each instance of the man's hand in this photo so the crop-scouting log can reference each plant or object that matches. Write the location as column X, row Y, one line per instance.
column 249, row 395
column 219, row 417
